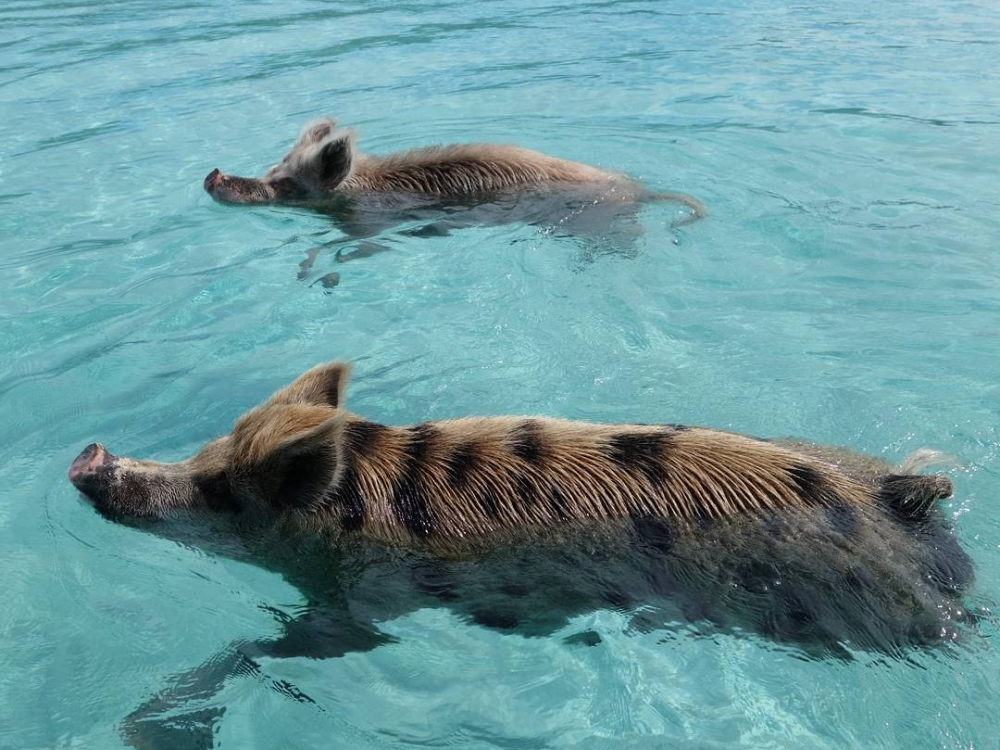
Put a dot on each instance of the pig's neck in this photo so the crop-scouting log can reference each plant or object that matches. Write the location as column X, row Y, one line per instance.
column 378, row 490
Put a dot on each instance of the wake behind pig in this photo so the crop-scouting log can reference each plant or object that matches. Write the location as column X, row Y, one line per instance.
column 434, row 189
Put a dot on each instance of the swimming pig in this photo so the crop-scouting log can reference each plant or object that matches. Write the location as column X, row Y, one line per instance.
column 518, row 523
column 437, row 188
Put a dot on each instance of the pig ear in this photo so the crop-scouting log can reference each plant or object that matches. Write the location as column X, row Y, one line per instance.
column 314, row 132
column 323, row 385
column 305, row 464
column 322, row 435
column 334, row 160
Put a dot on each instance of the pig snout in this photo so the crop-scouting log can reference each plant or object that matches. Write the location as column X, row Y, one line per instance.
column 226, row 188
column 212, row 180
column 88, row 470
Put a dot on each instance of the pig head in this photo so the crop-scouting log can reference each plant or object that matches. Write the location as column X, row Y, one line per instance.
column 284, row 450
column 316, row 165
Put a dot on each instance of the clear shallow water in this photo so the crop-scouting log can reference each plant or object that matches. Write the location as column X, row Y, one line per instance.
column 845, row 288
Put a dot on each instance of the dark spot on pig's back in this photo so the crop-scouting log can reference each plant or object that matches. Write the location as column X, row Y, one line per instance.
column 558, row 505
column 461, row 462
column 526, row 441
column 524, row 490
column 490, row 502
column 812, row 487
column 469, row 479
column 410, row 506
column 645, row 452
column 410, row 501
column 361, row 438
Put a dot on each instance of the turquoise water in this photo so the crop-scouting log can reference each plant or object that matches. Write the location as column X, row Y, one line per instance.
column 845, row 288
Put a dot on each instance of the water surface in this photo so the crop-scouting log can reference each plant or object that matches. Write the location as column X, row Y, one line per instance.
column 845, row 288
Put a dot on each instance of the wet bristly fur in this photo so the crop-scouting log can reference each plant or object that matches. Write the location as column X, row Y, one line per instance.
column 325, row 162
column 466, row 169
column 454, row 481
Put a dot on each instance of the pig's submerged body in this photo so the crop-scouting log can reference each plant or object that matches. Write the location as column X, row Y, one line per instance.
column 597, row 217
column 823, row 583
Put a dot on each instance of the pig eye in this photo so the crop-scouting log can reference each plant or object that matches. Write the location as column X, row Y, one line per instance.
column 218, row 494
column 286, row 187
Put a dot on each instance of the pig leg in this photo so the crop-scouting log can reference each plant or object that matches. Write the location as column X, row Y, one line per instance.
column 307, row 263
column 318, row 633
column 305, row 266
column 364, row 249
column 434, row 229
column 182, row 716
column 329, row 281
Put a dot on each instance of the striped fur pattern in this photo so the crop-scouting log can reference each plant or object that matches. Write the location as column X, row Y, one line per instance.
column 453, row 482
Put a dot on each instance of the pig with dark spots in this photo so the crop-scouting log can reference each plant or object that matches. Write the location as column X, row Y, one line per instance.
column 520, row 523
column 434, row 189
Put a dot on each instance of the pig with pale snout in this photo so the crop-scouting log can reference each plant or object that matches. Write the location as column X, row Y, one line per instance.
column 519, row 523
column 437, row 188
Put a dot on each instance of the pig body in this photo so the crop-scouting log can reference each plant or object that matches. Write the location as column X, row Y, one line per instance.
column 301, row 473
column 445, row 187
column 520, row 523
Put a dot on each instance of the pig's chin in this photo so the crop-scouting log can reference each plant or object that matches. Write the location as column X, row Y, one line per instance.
column 239, row 197
column 134, row 515
column 184, row 526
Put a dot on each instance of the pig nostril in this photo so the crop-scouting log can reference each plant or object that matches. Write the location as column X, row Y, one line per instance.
column 212, row 178
column 92, row 458
column 97, row 457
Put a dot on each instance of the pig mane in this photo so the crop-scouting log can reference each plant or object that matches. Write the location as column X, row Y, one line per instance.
column 445, row 482
column 465, row 169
